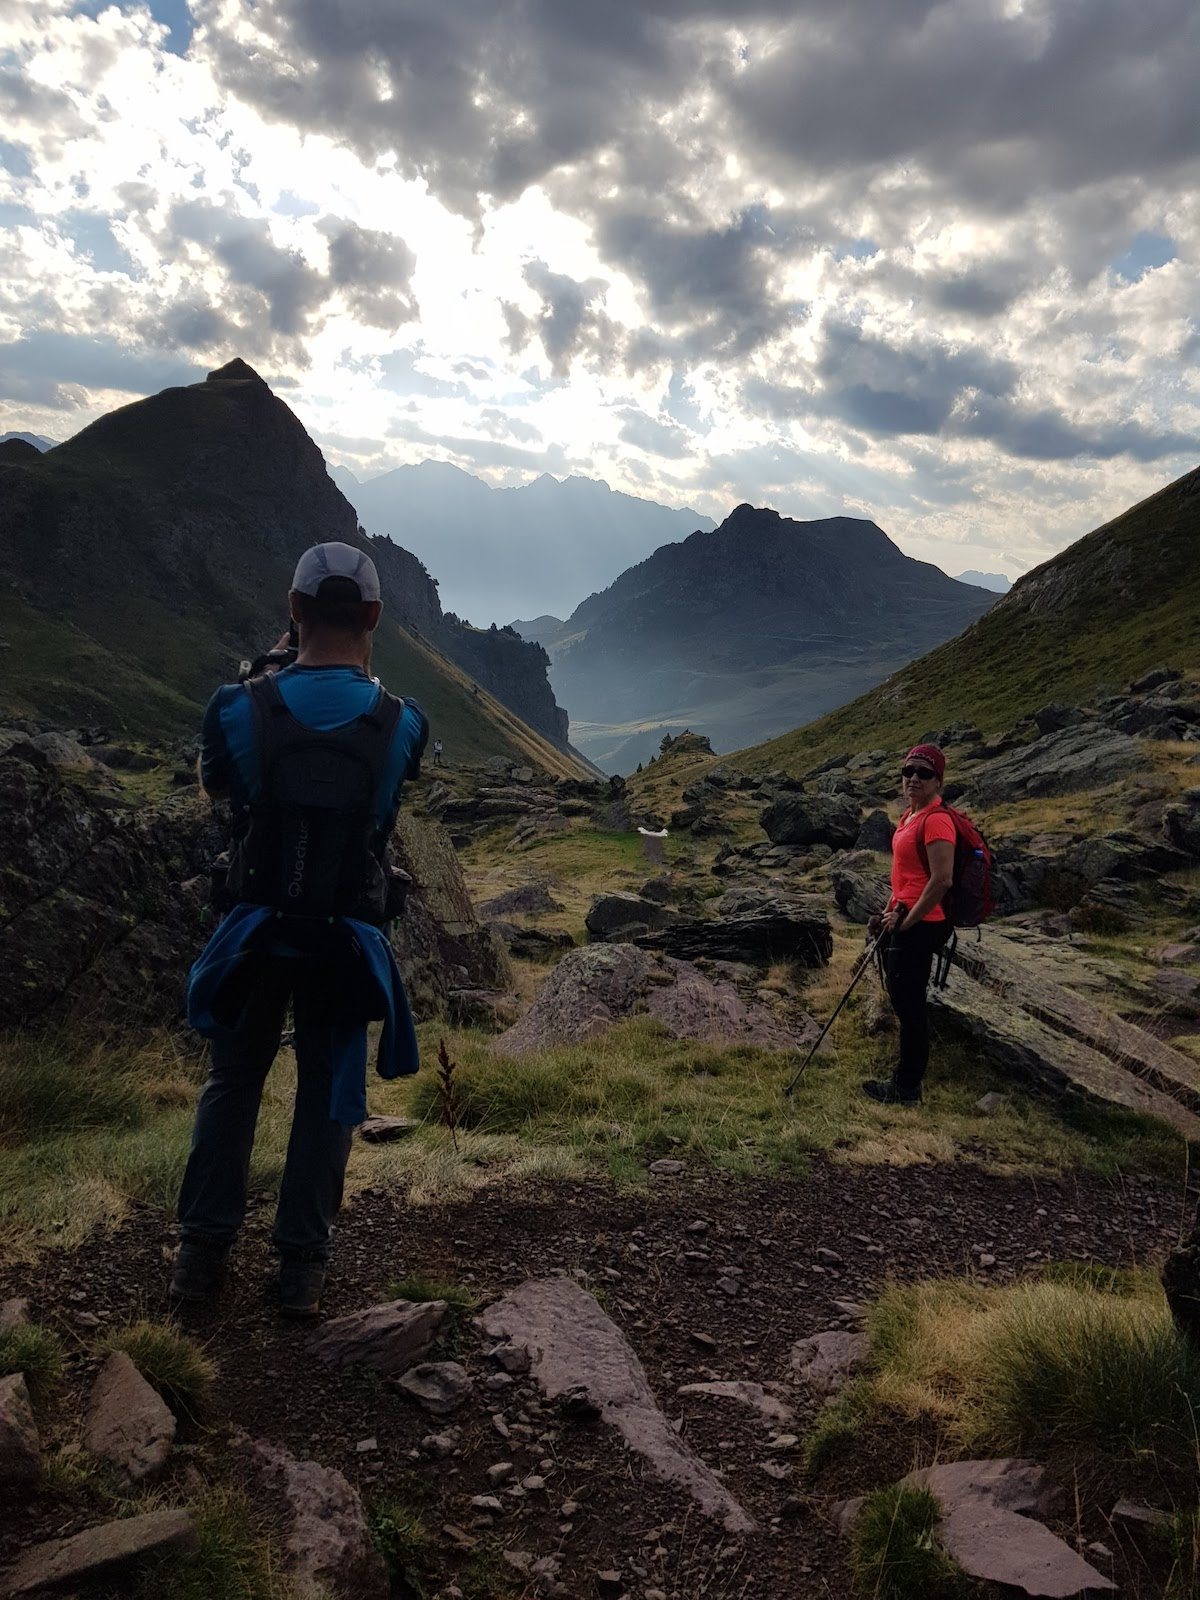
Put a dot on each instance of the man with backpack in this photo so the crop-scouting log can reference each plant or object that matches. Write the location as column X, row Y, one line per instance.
column 928, row 877
column 313, row 758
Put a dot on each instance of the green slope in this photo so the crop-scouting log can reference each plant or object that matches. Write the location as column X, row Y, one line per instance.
column 1118, row 602
column 147, row 556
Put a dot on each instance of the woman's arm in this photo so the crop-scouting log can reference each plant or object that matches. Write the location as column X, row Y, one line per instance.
column 941, row 877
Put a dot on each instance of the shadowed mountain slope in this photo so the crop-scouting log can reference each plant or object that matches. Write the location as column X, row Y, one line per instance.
column 1112, row 606
column 151, row 552
column 746, row 630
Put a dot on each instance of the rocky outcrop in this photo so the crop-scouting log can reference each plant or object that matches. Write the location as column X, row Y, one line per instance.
column 751, row 925
column 592, row 988
column 1083, row 757
column 617, row 917
column 388, row 1338
column 439, row 943
column 806, row 819
column 1034, row 1027
column 102, row 903
column 576, row 1350
column 509, row 667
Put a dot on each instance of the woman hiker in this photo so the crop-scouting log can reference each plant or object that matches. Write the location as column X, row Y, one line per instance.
column 914, row 926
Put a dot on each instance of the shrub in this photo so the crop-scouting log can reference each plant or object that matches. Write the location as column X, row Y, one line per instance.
column 170, row 1362
column 405, row 1543
column 893, row 1553
column 37, row 1353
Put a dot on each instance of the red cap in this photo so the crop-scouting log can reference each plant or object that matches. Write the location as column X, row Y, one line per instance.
column 930, row 753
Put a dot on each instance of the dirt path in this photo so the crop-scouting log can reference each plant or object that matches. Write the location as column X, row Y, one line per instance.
column 657, row 1277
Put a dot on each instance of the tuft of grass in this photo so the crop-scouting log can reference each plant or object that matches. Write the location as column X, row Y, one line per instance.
column 233, row 1559
column 170, row 1362
column 894, row 1555
column 839, row 1423
column 1182, row 1540
column 417, row 1287
column 35, row 1351
column 1059, row 1369
column 403, row 1539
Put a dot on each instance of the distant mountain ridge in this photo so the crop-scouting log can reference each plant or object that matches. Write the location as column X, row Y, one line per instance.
column 995, row 581
column 1115, row 604
column 747, row 629
column 513, row 552
column 150, row 552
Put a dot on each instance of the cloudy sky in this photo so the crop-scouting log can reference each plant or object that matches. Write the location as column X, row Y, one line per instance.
column 938, row 264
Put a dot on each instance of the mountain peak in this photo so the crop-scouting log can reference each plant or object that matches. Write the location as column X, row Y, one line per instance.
column 236, row 370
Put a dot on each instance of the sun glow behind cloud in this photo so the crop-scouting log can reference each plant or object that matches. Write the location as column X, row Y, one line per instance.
column 813, row 257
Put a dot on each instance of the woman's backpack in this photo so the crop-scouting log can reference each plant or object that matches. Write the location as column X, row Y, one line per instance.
column 969, row 900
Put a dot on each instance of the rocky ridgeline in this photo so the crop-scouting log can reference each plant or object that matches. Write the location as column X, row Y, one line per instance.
column 470, row 803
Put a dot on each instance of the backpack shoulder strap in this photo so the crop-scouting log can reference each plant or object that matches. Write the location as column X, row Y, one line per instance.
column 270, row 715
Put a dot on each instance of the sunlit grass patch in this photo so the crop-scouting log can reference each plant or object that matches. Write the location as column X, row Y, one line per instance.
column 36, row 1352
column 233, row 1558
column 170, row 1362
column 893, row 1551
column 1052, row 1369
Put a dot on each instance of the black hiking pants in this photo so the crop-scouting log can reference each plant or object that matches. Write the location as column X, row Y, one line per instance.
column 907, row 960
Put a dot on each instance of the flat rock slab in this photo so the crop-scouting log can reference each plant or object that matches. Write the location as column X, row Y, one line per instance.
column 594, row 987
column 825, row 1361
column 745, row 1393
column 98, row 1552
column 573, row 1345
column 389, row 1338
column 128, row 1422
column 386, row 1130
column 329, row 1549
column 439, row 1386
column 20, row 1447
column 1082, row 757
column 983, row 1530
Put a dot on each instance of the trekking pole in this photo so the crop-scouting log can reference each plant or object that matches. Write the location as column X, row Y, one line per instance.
column 864, row 962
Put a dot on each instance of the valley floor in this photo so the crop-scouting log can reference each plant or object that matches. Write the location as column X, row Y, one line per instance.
column 659, row 1282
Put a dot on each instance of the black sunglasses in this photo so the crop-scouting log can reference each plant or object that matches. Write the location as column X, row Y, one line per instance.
column 924, row 773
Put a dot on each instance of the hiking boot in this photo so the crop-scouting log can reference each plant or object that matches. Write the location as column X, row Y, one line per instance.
column 300, row 1285
column 887, row 1094
column 198, row 1271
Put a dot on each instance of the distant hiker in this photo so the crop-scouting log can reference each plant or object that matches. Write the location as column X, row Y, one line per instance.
column 437, row 752
column 914, row 925
column 313, row 758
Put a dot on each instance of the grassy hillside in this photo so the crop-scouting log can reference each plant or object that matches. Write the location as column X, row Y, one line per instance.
column 1118, row 602
column 146, row 557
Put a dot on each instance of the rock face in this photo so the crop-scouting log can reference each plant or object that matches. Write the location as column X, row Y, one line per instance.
column 128, row 1423
column 573, row 1346
column 328, row 1543
column 102, row 902
column 1083, row 757
column 388, row 1338
column 1002, row 995
column 20, row 1448
column 439, row 943
column 97, row 1553
column 752, row 925
column 592, row 988
column 812, row 819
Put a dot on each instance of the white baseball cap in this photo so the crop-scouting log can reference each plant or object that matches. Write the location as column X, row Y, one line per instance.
column 335, row 560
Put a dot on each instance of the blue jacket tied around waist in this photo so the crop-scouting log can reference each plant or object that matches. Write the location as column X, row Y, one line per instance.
column 358, row 982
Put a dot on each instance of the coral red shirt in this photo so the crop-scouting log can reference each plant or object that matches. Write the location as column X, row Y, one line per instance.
column 909, row 874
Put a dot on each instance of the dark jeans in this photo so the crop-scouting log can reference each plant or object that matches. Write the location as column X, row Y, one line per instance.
column 907, row 964
column 212, row 1200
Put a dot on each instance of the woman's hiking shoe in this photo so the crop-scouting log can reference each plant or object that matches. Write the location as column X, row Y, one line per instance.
column 887, row 1094
column 198, row 1272
column 300, row 1285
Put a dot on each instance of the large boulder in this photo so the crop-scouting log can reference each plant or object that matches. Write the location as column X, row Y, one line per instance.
column 1182, row 822
column 619, row 916
column 103, row 901
column 526, row 899
column 1084, row 757
column 812, row 819
column 601, row 984
column 876, row 833
column 753, row 924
